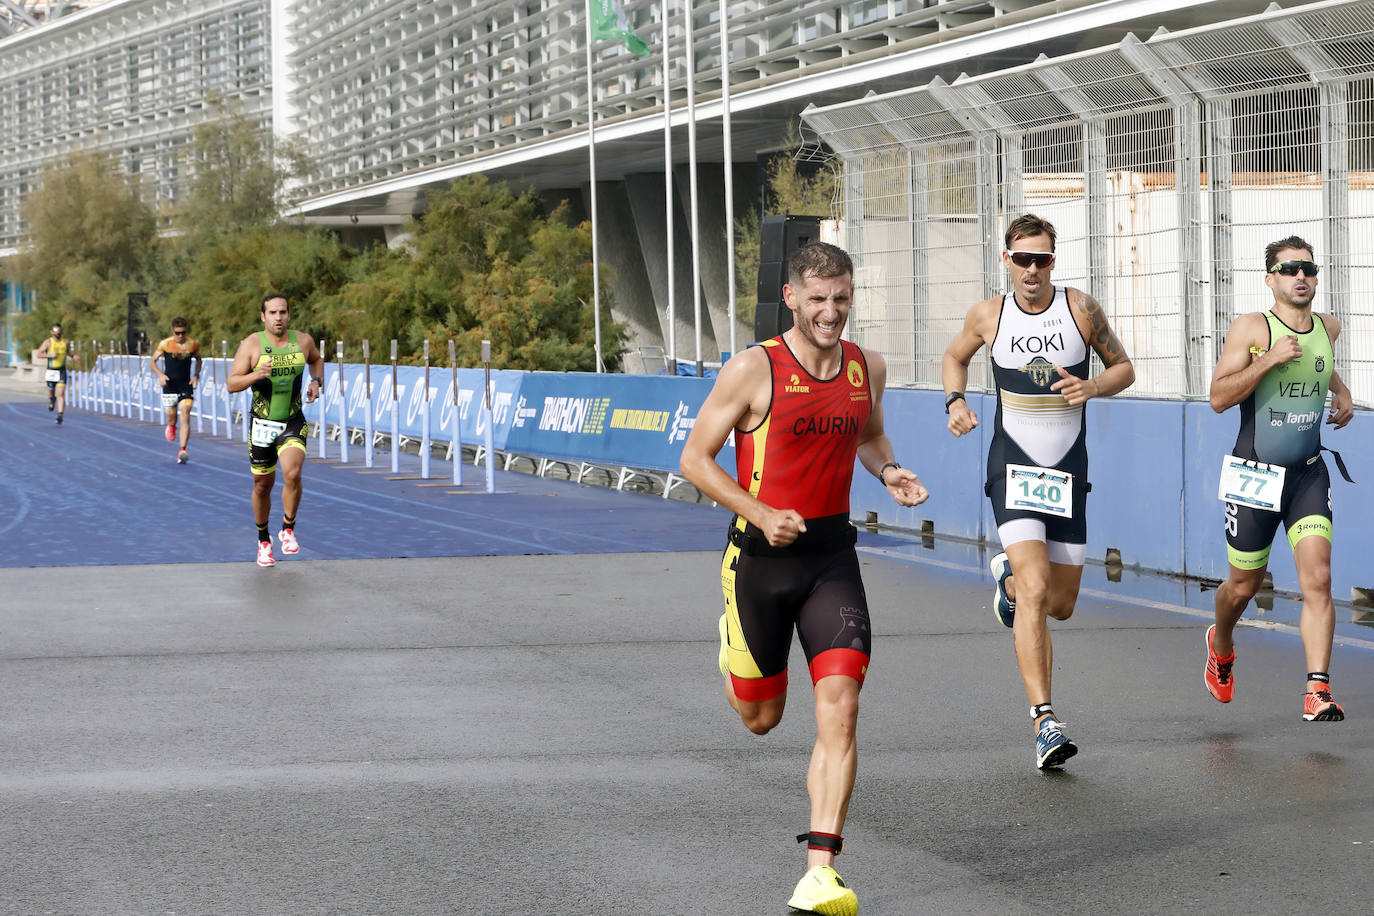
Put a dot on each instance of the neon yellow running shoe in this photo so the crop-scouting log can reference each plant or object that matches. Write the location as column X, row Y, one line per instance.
column 724, row 649
column 822, row 890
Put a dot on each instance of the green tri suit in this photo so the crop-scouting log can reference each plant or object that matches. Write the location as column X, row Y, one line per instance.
column 1280, row 424
column 277, row 401
column 279, row 396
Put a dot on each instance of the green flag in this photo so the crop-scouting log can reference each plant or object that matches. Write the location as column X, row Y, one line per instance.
column 609, row 21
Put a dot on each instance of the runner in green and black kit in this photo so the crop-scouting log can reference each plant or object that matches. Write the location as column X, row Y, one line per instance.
column 273, row 363
column 1279, row 367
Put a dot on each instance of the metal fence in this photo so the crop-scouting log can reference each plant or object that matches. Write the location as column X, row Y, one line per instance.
column 1166, row 166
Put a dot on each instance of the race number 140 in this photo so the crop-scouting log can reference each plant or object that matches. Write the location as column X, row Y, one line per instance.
column 1043, row 490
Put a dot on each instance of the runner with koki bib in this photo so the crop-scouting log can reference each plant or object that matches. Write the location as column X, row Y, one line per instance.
column 1039, row 337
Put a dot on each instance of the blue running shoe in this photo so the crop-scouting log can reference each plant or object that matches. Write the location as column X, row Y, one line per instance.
column 1002, row 605
column 1052, row 746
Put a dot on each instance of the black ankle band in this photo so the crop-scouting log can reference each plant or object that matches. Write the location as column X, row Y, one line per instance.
column 1319, row 676
column 828, row 842
column 1041, row 709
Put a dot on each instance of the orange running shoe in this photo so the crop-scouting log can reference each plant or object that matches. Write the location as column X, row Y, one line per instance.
column 170, row 432
column 1318, row 706
column 1220, row 683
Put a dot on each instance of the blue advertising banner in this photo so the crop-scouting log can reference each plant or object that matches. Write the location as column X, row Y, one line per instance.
column 633, row 420
column 638, row 421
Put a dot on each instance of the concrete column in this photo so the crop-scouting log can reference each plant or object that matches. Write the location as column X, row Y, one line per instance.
column 631, row 292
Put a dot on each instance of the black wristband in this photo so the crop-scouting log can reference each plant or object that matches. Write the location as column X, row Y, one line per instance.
column 954, row 396
column 883, row 470
column 317, row 378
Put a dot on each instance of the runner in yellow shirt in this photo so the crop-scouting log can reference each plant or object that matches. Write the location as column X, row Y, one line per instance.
column 56, row 351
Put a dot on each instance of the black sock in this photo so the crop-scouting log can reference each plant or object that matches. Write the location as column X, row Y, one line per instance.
column 262, row 533
column 288, row 522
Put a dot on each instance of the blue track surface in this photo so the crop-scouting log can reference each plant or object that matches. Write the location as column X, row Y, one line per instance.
column 101, row 490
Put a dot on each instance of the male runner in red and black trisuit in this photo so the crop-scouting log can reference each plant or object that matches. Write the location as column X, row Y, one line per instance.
column 801, row 406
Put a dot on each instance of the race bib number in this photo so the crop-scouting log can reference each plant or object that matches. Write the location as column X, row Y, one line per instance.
column 170, row 400
column 265, row 432
column 1250, row 483
column 52, row 375
column 1044, row 490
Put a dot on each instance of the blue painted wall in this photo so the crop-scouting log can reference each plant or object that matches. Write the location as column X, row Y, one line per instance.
column 1154, row 467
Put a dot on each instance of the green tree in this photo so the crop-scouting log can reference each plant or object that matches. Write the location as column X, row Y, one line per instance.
column 482, row 263
column 91, row 241
column 224, row 278
column 236, row 179
column 231, row 248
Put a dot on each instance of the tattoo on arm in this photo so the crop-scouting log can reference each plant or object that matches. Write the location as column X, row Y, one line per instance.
column 1102, row 339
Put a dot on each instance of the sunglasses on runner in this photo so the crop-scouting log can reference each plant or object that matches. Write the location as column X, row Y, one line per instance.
column 1027, row 258
column 1291, row 268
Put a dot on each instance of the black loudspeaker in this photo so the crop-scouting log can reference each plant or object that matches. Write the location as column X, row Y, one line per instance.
column 771, row 319
column 138, row 308
column 779, row 236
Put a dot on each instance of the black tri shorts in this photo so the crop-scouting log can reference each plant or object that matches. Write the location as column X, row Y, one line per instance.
column 263, row 458
column 1304, row 510
column 812, row 586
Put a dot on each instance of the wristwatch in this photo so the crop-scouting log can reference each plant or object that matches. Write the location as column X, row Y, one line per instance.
column 955, row 396
column 883, row 470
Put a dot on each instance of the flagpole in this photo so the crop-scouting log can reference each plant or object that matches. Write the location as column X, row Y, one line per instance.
column 591, row 161
column 692, row 161
column 729, row 169
column 668, row 189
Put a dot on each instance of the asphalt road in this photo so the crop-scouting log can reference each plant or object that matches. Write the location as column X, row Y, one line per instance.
column 545, row 733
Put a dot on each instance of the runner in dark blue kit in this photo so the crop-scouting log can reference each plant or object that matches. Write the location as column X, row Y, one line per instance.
column 179, row 380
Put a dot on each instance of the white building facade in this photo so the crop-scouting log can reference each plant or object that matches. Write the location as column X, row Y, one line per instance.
column 393, row 98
